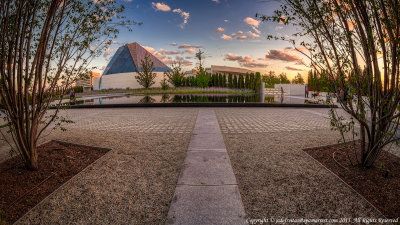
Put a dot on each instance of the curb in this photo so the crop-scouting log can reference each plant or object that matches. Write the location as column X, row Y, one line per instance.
column 208, row 104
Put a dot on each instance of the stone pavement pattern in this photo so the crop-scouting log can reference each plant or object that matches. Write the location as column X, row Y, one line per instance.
column 149, row 145
column 276, row 178
column 207, row 191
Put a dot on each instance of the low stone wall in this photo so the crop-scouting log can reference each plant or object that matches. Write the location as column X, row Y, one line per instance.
column 292, row 89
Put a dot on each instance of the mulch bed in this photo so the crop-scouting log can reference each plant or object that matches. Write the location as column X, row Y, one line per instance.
column 21, row 189
column 378, row 184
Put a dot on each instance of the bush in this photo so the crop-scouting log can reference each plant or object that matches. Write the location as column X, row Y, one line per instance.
column 164, row 84
column 235, row 82
column 78, row 89
column 247, row 81
column 230, row 81
column 241, row 82
column 203, row 79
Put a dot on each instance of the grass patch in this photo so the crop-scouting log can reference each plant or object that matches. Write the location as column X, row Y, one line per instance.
column 155, row 91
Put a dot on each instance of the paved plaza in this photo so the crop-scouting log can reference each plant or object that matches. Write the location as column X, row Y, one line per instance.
column 256, row 162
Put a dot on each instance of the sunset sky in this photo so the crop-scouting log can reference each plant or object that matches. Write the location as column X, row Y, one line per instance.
column 226, row 30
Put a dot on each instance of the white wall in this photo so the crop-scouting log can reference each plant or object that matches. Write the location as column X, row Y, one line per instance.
column 96, row 81
column 123, row 81
column 292, row 89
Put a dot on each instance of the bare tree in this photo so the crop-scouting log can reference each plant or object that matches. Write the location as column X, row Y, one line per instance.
column 357, row 44
column 45, row 45
column 200, row 56
column 145, row 73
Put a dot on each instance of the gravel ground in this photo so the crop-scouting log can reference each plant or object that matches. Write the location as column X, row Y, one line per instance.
column 278, row 180
column 133, row 183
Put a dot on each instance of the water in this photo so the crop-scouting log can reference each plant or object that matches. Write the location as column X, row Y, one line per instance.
column 193, row 98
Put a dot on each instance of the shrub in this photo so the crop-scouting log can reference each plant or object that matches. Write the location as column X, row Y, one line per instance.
column 164, row 84
column 241, row 82
column 230, row 81
column 235, row 82
column 176, row 76
column 203, row 79
column 247, row 81
column 252, row 82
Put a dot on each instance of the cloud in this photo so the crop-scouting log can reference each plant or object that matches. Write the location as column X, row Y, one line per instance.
column 226, row 37
column 184, row 15
column 255, row 65
column 216, row 1
column 110, row 42
column 190, row 51
column 253, row 35
column 128, row 0
column 149, row 49
column 220, row 30
column 226, row 21
column 282, row 55
column 167, row 52
column 161, row 6
column 256, row 30
column 183, row 61
column 293, row 68
column 240, row 32
column 278, row 28
column 252, row 21
column 246, row 61
column 107, row 52
column 189, row 46
column 174, row 44
column 243, row 37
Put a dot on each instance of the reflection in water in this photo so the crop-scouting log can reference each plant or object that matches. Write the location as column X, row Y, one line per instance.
column 215, row 98
column 166, row 98
column 147, row 99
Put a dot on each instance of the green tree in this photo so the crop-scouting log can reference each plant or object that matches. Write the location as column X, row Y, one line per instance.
column 235, row 82
column 252, row 82
column 283, row 79
column 176, row 75
column 46, row 45
column 164, row 84
column 145, row 76
column 346, row 36
column 298, row 79
column 241, row 81
column 230, row 81
column 224, row 84
column 203, row 79
column 220, row 80
column 257, row 82
column 271, row 79
column 247, row 81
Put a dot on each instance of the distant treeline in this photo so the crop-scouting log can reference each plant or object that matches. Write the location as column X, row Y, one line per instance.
column 248, row 81
column 271, row 79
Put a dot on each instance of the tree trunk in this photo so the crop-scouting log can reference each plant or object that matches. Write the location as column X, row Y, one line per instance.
column 33, row 163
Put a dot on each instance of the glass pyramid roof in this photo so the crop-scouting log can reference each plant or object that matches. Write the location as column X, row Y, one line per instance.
column 128, row 58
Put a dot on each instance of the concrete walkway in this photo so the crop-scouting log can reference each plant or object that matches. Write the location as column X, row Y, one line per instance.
column 207, row 191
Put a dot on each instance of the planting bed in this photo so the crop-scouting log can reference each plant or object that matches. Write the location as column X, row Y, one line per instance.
column 21, row 189
column 378, row 184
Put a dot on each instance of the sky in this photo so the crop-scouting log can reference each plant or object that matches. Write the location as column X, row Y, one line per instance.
column 227, row 31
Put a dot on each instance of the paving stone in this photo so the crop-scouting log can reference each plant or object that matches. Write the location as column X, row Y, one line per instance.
column 206, row 205
column 207, row 168
column 206, row 141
